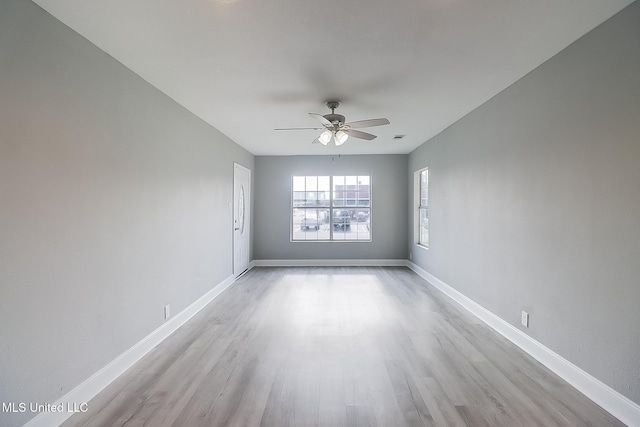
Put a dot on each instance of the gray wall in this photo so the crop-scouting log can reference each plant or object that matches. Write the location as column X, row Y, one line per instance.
column 114, row 202
column 273, row 206
column 535, row 203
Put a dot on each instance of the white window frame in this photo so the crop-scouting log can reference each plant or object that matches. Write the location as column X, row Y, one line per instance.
column 422, row 202
column 333, row 207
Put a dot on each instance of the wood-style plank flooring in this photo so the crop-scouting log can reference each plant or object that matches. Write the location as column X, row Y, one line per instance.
column 347, row 346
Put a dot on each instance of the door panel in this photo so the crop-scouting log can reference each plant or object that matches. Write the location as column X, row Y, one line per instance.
column 241, row 218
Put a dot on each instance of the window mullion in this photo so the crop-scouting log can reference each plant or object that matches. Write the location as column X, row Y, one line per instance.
column 331, row 208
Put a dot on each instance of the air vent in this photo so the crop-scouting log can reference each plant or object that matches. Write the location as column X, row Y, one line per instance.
column 398, row 137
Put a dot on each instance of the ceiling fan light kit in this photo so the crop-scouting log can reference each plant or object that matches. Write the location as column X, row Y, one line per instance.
column 337, row 129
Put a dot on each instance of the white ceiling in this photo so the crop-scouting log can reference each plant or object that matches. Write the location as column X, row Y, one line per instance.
column 249, row 66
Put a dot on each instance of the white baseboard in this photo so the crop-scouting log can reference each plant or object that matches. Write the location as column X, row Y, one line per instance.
column 615, row 403
column 329, row 263
column 105, row 376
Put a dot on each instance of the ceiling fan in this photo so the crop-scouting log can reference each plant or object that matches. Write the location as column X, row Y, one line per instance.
column 334, row 126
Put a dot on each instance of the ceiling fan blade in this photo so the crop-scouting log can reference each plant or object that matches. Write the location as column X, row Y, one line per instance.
column 361, row 135
column 322, row 120
column 367, row 123
column 298, row 128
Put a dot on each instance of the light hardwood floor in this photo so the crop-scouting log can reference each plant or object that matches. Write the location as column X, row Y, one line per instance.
column 338, row 347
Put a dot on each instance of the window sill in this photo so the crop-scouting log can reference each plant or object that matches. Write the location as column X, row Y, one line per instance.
column 330, row 241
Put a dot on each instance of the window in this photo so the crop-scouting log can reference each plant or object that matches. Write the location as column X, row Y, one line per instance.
column 311, row 207
column 331, row 208
column 423, row 209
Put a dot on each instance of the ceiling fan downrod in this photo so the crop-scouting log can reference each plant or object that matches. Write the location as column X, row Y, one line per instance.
column 336, row 119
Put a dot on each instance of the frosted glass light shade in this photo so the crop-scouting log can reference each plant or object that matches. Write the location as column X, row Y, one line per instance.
column 341, row 137
column 325, row 137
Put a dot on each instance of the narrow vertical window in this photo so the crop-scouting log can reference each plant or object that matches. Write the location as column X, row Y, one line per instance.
column 423, row 208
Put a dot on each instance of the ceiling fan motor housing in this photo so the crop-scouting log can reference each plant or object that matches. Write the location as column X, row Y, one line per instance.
column 333, row 118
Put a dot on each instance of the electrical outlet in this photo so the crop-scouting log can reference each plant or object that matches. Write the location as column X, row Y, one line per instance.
column 167, row 311
column 525, row 319
column 410, row 256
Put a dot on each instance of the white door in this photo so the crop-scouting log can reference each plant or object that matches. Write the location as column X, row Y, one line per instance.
column 241, row 218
